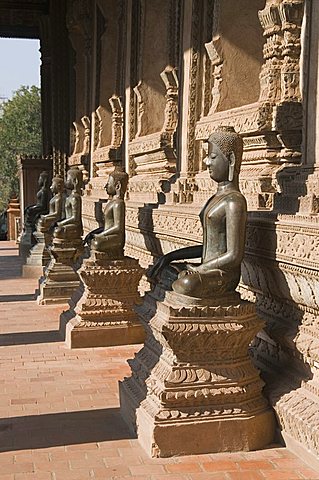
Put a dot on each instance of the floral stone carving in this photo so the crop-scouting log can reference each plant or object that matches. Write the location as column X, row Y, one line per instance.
column 104, row 314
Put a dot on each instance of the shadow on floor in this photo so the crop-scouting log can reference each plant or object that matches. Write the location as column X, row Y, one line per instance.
column 26, row 297
column 29, row 338
column 10, row 267
column 52, row 430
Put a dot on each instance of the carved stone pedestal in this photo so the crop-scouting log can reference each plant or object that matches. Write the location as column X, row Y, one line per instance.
column 39, row 256
column 60, row 279
column 26, row 242
column 193, row 387
column 104, row 314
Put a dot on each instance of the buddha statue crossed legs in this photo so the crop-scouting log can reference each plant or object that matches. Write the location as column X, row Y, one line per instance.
column 223, row 220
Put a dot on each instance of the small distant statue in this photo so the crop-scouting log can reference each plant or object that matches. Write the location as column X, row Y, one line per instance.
column 224, row 222
column 71, row 227
column 33, row 212
column 56, row 206
column 110, row 238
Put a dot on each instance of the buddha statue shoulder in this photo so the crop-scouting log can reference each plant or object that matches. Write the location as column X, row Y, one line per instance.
column 33, row 212
column 223, row 220
column 110, row 238
column 56, row 206
column 71, row 227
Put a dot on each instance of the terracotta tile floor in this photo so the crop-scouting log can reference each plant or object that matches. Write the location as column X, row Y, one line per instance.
column 59, row 410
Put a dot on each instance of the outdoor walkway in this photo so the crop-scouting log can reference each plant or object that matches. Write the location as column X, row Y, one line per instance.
column 59, row 410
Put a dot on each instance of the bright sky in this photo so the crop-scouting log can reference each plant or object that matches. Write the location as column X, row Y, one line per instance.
column 19, row 64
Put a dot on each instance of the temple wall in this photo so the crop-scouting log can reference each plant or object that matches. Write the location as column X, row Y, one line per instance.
column 207, row 63
column 242, row 42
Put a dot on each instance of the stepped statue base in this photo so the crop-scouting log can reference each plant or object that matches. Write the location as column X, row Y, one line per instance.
column 26, row 242
column 193, row 388
column 104, row 315
column 60, row 279
column 39, row 256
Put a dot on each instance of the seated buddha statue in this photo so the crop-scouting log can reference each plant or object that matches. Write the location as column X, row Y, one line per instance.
column 71, row 227
column 33, row 212
column 110, row 238
column 56, row 206
column 223, row 220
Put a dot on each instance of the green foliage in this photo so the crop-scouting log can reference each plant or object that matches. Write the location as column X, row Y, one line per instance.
column 20, row 134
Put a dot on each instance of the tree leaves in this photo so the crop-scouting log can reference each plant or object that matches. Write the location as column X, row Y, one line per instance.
column 20, row 134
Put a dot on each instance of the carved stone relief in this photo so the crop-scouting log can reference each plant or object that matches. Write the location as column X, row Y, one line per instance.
column 154, row 154
column 81, row 149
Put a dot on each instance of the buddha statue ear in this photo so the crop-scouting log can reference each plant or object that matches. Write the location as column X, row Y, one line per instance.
column 118, row 187
column 232, row 161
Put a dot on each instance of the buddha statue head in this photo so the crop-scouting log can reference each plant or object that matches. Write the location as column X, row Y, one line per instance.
column 43, row 180
column 74, row 180
column 117, row 183
column 225, row 150
column 57, row 185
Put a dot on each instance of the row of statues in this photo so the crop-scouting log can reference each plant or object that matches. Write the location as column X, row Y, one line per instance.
column 193, row 377
column 223, row 220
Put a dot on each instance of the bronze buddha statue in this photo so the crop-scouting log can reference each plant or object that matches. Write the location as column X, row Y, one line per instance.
column 223, row 220
column 56, row 206
column 71, row 227
column 33, row 212
column 110, row 238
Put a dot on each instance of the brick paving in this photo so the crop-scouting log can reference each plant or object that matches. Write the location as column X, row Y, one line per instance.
column 59, row 409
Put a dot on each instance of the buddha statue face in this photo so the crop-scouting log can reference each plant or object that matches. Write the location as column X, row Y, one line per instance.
column 225, row 149
column 43, row 179
column 217, row 163
column 74, row 179
column 117, row 183
column 110, row 186
column 57, row 185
